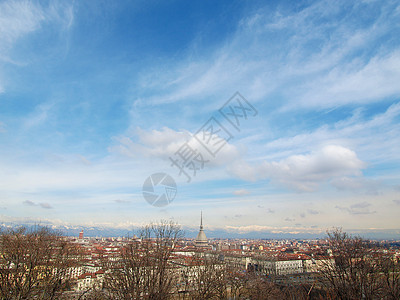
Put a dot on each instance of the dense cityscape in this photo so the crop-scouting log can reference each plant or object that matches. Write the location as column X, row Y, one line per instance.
column 160, row 263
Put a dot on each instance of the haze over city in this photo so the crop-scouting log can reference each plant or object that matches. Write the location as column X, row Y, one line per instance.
column 97, row 96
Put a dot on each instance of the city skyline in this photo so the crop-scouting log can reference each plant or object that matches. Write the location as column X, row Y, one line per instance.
column 97, row 97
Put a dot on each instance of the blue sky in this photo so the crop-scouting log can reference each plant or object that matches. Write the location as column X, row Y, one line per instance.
column 97, row 96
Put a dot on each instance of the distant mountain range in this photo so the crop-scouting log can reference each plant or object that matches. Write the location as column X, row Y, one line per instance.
column 108, row 231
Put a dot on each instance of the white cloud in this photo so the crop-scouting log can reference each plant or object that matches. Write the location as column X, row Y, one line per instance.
column 304, row 172
column 242, row 192
column 153, row 143
column 164, row 143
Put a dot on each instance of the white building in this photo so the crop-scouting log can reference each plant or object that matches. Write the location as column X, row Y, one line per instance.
column 90, row 280
column 277, row 267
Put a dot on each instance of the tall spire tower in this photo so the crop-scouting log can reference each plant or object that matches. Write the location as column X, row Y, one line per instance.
column 201, row 240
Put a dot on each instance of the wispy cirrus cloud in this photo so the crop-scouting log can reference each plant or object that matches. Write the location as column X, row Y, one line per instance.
column 18, row 18
column 355, row 131
column 38, row 116
column 362, row 83
column 326, row 63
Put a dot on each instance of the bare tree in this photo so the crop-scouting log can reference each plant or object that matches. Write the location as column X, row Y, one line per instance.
column 205, row 277
column 390, row 271
column 34, row 263
column 93, row 294
column 235, row 282
column 258, row 287
column 141, row 269
column 353, row 270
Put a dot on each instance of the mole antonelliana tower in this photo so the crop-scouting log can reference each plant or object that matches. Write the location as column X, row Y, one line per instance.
column 201, row 240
